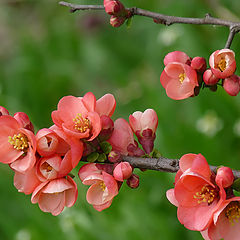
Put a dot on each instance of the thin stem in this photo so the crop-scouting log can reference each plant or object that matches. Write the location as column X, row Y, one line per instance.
column 231, row 35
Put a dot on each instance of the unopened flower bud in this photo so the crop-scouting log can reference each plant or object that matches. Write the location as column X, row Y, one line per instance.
column 3, row 111
column 133, row 181
column 209, row 78
column 24, row 121
column 224, row 177
column 231, row 85
column 107, row 128
column 122, row 171
column 114, row 7
column 114, row 157
column 117, row 21
column 199, row 64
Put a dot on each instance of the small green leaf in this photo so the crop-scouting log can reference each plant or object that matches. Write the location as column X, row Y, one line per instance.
column 156, row 153
column 129, row 22
column 236, row 185
column 102, row 157
column 106, row 147
column 92, row 157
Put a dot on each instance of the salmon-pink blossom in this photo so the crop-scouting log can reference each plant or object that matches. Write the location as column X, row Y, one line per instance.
column 177, row 56
column 122, row 171
column 199, row 64
column 144, row 126
column 179, row 80
column 226, row 224
column 195, row 194
column 52, row 196
column 18, row 145
column 223, row 63
column 103, row 186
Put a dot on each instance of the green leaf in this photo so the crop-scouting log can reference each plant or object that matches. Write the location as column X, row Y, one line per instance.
column 92, row 157
column 236, row 185
column 129, row 22
column 106, row 147
column 156, row 153
column 102, row 157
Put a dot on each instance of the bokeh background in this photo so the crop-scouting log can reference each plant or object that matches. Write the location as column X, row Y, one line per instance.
column 46, row 53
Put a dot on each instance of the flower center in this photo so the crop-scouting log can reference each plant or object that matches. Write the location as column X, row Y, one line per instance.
column 181, row 77
column 232, row 212
column 222, row 65
column 19, row 141
column 81, row 124
column 206, row 195
column 47, row 167
column 103, row 186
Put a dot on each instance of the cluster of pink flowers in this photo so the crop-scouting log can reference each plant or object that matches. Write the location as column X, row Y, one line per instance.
column 206, row 201
column 82, row 130
column 118, row 12
column 184, row 77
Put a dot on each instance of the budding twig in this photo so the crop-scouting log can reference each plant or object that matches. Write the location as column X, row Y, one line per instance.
column 168, row 20
column 162, row 164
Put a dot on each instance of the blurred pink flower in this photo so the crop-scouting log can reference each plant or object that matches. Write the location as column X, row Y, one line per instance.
column 52, row 196
column 18, row 145
column 232, row 85
column 223, row 63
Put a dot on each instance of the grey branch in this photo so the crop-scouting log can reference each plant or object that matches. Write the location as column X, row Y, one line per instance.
column 162, row 164
column 168, row 20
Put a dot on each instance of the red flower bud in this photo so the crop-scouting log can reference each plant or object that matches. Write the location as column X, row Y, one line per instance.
column 199, row 64
column 115, row 8
column 117, row 21
column 133, row 181
column 224, row 177
column 24, row 121
column 209, row 78
column 122, row 171
column 231, row 85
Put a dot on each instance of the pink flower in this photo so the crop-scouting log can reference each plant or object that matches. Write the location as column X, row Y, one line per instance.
column 122, row 171
column 209, row 78
column 179, row 80
column 144, row 126
column 26, row 182
column 116, row 21
column 80, row 117
column 18, row 145
column 225, row 223
column 103, row 186
column 53, row 196
column 122, row 136
column 224, row 177
column 176, row 56
column 231, row 85
column 133, row 181
column 195, row 193
column 223, row 63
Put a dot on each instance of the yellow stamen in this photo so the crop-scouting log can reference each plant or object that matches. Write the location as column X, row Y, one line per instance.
column 232, row 212
column 81, row 124
column 103, row 186
column 19, row 141
column 181, row 77
column 222, row 65
column 206, row 195
column 47, row 167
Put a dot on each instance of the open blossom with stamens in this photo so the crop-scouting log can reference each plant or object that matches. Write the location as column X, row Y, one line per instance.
column 226, row 224
column 18, row 145
column 103, row 186
column 79, row 117
column 52, row 196
column 196, row 194
column 144, row 126
column 178, row 78
column 223, row 63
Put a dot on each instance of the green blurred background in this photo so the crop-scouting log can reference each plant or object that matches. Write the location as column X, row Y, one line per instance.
column 46, row 53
